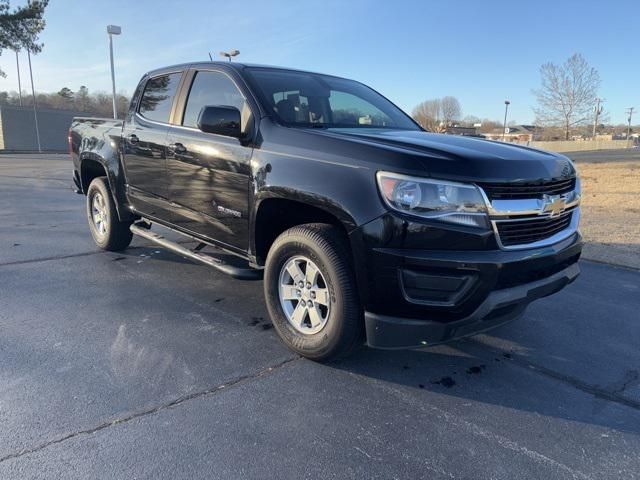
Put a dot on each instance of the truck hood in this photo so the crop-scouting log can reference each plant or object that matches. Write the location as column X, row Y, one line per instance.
column 461, row 158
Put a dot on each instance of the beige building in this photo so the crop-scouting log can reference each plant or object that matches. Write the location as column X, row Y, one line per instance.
column 515, row 133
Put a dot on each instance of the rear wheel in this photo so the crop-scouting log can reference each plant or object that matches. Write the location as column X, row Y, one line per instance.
column 107, row 230
column 311, row 293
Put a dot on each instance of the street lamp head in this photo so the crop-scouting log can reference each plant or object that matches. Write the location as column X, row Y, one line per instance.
column 114, row 30
column 229, row 54
column 507, row 102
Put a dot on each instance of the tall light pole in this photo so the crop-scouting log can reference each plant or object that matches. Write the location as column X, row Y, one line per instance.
column 504, row 127
column 232, row 53
column 113, row 30
column 19, row 84
column 35, row 110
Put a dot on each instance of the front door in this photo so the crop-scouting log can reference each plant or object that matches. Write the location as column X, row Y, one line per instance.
column 144, row 147
column 209, row 174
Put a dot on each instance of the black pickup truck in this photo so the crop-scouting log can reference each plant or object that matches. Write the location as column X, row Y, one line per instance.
column 364, row 227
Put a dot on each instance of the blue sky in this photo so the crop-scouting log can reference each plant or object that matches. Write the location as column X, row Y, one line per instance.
column 482, row 52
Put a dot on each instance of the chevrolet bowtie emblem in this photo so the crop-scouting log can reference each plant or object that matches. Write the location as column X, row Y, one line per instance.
column 553, row 204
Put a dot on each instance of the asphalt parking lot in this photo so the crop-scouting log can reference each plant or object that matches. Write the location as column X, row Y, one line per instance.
column 141, row 364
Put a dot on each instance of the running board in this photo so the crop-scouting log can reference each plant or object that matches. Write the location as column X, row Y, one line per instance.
column 244, row 272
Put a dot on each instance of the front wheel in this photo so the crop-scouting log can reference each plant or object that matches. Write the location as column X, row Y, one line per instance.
column 107, row 230
column 311, row 293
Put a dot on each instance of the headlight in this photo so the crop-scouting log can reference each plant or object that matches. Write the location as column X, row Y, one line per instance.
column 451, row 202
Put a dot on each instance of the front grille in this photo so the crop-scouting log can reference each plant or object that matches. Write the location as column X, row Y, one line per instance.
column 510, row 191
column 519, row 232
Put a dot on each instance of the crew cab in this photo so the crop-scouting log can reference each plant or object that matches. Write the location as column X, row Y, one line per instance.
column 364, row 227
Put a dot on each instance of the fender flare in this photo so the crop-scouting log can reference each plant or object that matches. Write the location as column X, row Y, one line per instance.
column 325, row 204
column 116, row 181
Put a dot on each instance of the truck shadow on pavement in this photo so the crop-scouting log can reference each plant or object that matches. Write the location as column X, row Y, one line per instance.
column 467, row 371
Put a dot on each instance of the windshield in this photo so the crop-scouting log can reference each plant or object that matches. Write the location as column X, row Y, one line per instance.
column 321, row 101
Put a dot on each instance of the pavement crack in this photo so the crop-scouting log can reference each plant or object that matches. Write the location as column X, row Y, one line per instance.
column 598, row 392
column 34, row 177
column 47, row 259
column 173, row 403
column 80, row 254
column 631, row 377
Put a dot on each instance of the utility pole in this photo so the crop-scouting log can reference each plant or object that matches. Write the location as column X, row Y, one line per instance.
column 598, row 111
column 630, row 112
column 19, row 84
column 35, row 110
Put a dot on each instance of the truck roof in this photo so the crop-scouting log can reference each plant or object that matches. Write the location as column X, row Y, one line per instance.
column 234, row 65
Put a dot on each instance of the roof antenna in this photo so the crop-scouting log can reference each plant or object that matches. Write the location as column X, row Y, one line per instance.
column 210, row 57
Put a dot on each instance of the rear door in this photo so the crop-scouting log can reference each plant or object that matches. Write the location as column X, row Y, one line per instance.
column 144, row 146
column 209, row 174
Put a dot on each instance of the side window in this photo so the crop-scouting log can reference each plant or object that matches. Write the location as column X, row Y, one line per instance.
column 134, row 102
column 292, row 106
column 212, row 88
column 158, row 95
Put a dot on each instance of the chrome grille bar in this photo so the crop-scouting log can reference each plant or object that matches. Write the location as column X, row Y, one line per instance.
column 539, row 220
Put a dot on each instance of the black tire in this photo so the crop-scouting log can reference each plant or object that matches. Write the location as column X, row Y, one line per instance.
column 327, row 247
column 115, row 235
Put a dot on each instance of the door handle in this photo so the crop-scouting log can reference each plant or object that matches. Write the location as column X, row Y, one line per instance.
column 133, row 138
column 178, row 148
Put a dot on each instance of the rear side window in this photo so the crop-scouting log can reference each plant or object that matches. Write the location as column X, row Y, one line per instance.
column 158, row 95
column 211, row 89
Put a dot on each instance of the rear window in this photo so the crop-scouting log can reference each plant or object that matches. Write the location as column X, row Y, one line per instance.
column 157, row 99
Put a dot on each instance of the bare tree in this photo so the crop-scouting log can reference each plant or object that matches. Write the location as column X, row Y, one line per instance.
column 95, row 104
column 82, row 99
column 429, row 114
column 451, row 110
column 437, row 114
column 567, row 93
column 470, row 120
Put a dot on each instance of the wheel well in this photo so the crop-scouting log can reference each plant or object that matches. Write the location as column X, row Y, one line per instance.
column 89, row 170
column 275, row 215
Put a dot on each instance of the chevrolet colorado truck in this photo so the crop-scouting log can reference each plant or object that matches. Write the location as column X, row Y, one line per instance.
column 364, row 227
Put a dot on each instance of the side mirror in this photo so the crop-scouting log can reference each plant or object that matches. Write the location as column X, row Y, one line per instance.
column 220, row 120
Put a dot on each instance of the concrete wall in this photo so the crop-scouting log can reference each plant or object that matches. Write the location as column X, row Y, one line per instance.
column 18, row 133
column 579, row 145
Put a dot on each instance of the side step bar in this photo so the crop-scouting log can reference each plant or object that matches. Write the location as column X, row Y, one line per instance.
column 239, row 272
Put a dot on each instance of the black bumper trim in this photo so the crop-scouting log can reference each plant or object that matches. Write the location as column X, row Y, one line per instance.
column 499, row 307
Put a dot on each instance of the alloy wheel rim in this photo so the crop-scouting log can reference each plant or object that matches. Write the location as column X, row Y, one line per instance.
column 304, row 295
column 99, row 214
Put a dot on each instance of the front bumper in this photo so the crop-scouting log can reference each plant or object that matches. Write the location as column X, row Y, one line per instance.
column 463, row 285
column 499, row 307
